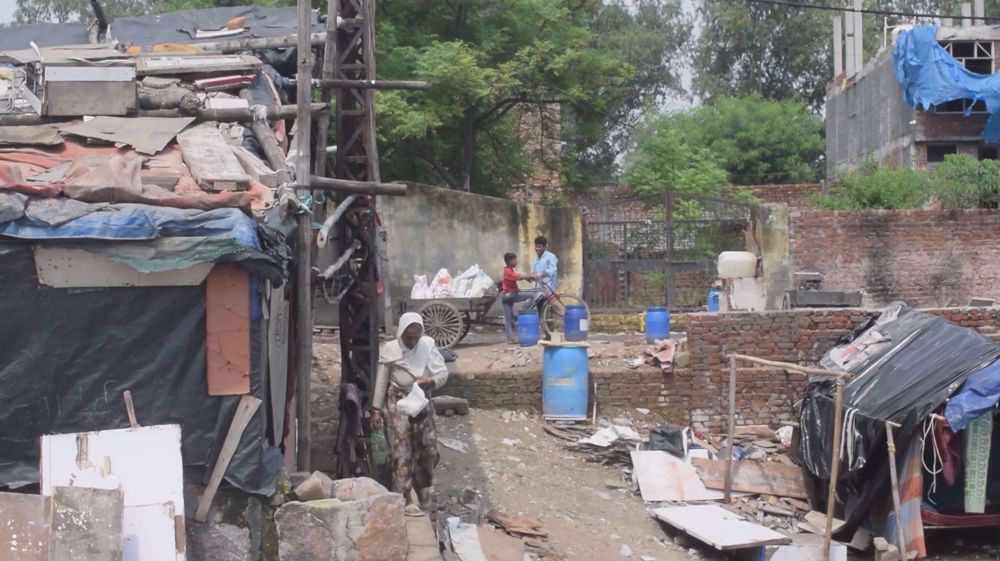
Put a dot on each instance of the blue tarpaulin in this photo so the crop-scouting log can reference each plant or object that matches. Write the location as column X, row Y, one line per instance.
column 930, row 76
column 133, row 222
column 977, row 396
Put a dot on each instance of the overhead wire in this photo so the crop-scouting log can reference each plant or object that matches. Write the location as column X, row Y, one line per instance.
column 877, row 12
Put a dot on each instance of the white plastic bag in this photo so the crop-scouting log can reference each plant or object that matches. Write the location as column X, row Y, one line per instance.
column 441, row 285
column 414, row 403
column 420, row 289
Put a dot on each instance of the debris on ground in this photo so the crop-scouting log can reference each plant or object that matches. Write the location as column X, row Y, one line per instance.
column 510, row 358
column 527, row 528
column 448, row 406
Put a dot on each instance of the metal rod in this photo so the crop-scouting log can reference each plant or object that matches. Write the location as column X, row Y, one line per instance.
column 233, row 114
column 793, row 367
column 732, row 429
column 374, row 84
column 831, row 497
column 237, row 45
column 894, row 477
column 303, row 272
column 358, row 187
column 324, row 231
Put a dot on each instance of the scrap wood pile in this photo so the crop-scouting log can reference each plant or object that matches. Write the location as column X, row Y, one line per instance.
column 518, row 537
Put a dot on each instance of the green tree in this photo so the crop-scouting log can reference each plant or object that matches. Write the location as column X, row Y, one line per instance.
column 484, row 59
column 962, row 181
column 664, row 161
column 775, row 51
column 877, row 187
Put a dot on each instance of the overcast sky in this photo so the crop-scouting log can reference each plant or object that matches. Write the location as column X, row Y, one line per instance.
column 6, row 10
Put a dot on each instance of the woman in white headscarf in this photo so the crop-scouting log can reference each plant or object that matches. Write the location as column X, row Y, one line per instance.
column 412, row 358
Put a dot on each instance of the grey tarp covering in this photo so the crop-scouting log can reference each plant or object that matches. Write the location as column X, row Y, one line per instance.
column 179, row 27
column 44, row 35
column 68, row 354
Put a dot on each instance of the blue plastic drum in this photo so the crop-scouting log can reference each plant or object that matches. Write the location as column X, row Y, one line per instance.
column 576, row 323
column 527, row 329
column 657, row 323
column 713, row 300
column 565, row 382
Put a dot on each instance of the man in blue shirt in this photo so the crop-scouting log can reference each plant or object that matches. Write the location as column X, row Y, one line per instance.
column 546, row 267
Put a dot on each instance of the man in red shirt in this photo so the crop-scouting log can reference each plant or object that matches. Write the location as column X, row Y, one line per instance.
column 510, row 293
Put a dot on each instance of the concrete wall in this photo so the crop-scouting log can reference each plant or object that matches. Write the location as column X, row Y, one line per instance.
column 867, row 119
column 432, row 228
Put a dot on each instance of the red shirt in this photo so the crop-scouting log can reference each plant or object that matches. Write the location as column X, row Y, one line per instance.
column 510, row 278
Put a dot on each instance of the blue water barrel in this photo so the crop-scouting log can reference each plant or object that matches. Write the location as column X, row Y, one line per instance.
column 565, row 381
column 527, row 329
column 657, row 323
column 576, row 323
column 713, row 300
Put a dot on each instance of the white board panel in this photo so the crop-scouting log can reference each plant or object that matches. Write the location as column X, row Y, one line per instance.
column 663, row 477
column 76, row 268
column 718, row 527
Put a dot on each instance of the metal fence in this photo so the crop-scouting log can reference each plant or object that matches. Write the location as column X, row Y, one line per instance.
column 658, row 250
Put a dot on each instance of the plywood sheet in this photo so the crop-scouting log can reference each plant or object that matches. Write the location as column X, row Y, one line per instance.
column 769, row 478
column 663, row 477
column 145, row 464
column 718, row 527
column 77, row 268
column 211, row 160
column 227, row 326
column 148, row 135
column 86, row 524
column 24, row 527
column 174, row 65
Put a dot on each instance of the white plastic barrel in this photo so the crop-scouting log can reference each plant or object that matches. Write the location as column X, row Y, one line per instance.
column 737, row 264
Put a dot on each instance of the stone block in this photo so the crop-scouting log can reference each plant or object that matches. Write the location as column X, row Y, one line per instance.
column 218, row 542
column 368, row 529
column 86, row 524
column 316, row 487
column 357, row 488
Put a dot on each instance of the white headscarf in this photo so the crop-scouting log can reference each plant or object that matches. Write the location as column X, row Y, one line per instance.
column 415, row 360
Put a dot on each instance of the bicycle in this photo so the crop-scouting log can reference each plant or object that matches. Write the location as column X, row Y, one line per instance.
column 551, row 307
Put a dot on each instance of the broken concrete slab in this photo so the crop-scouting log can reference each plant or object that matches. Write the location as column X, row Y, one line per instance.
column 86, row 524
column 24, row 527
column 718, row 527
column 316, row 487
column 368, row 529
column 218, row 542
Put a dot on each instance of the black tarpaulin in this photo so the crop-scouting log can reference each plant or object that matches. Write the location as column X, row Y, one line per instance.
column 19, row 37
column 913, row 363
column 69, row 354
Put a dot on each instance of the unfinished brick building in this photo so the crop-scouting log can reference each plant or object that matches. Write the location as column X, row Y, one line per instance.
column 868, row 118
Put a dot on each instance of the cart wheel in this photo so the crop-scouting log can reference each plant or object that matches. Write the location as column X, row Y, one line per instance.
column 443, row 323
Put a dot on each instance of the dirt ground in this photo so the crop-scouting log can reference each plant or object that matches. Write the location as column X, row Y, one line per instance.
column 509, row 462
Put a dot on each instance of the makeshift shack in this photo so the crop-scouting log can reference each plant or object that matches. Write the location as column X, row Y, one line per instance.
column 147, row 224
column 937, row 384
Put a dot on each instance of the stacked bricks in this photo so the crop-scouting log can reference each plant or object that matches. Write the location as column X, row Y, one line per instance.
column 791, row 194
column 926, row 258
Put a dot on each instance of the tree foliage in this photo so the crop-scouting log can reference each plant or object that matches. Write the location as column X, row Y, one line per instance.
column 486, row 59
column 777, row 52
column 743, row 141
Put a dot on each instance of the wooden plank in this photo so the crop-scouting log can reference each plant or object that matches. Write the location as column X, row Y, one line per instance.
column 145, row 464
column 718, row 527
column 255, row 167
column 227, row 330
column 244, row 412
column 769, row 478
column 86, row 524
column 663, row 477
column 176, row 65
column 24, row 527
column 815, row 522
column 211, row 160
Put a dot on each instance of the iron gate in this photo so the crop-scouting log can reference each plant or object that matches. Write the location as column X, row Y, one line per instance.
column 658, row 249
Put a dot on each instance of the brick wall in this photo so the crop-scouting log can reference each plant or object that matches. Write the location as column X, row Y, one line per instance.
column 925, row 258
column 793, row 194
column 764, row 395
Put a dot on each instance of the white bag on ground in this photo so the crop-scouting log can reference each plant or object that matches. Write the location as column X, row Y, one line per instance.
column 414, row 403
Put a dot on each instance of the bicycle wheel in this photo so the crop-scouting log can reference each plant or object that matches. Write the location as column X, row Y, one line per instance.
column 555, row 312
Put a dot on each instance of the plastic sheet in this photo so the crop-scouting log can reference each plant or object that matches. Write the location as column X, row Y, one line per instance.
column 69, row 354
column 180, row 26
column 928, row 359
column 977, row 396
column 930, row 76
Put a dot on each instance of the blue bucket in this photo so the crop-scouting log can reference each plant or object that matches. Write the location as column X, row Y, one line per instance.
column 565, row 382
column 527, row 329
column 576, row 323
column 713, row 300
column 657, row 323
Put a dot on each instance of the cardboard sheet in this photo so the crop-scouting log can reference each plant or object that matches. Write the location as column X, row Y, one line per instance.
column 148, row 135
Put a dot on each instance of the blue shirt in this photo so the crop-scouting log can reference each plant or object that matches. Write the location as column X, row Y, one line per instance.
column 546, row 265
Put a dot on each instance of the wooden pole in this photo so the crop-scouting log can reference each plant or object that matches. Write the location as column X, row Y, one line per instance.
column 894, row 477
column 303, row 263
column 232, row 115
column 237, row 45
column 831, row 497
column 793, row 367
column 732, row 428
column 375, row 84
column 358, row 187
